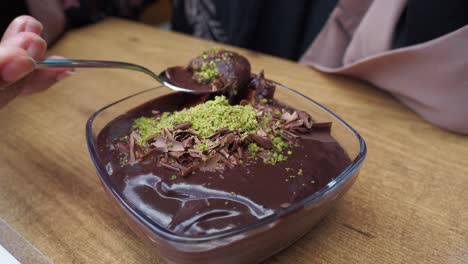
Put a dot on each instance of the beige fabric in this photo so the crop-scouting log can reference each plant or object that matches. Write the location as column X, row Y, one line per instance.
column 431, row 78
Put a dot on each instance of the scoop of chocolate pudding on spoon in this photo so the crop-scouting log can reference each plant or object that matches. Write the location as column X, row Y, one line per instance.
column 215, row 70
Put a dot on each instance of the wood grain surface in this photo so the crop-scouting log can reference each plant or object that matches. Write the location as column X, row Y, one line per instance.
column 409, row 204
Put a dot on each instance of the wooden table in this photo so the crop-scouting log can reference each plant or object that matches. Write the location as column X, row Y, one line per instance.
column 409, row 205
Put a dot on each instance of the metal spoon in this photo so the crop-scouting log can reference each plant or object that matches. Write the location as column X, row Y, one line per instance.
column 161, row 78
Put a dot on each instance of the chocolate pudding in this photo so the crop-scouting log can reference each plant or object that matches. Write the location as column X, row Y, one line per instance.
column 214, row 70
column 200, row 165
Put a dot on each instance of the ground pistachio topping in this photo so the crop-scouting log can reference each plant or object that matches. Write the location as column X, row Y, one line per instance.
column 207, row 72
column 205, row 119
column 215, row 135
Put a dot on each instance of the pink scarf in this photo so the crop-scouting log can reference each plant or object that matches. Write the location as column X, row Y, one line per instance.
column 431, row 78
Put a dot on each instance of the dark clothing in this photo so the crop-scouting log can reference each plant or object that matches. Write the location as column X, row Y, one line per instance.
column 85, row 12
column 9, row 10
column 79, row 12
column 277, row 27
column 424, row 20
column 287, row 28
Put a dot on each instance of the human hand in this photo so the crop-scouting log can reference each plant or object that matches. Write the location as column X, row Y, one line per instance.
column 20, row 47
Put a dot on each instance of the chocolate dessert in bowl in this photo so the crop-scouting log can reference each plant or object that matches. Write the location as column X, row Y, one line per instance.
column 229, row 177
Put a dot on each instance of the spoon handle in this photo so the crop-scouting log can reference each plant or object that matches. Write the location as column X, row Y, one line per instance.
column 64, row 63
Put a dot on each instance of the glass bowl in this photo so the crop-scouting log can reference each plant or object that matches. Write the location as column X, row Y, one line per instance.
column 252, row 243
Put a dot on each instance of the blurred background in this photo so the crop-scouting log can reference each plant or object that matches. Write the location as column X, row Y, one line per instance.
column 276, row 27
column 281, row 28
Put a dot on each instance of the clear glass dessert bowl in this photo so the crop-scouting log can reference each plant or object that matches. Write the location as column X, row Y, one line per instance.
column 247, row 244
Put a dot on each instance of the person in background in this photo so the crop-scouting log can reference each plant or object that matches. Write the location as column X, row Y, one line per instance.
column 415, row 49
column 58, row 15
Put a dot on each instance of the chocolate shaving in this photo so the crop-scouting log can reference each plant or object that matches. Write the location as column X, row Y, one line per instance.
column 264, row 89
column 237, row 143
column 183, row 126
column 323, row 125
column 305, row 117
column 234, row 161
column 181, row 135
column 290, row 134
column 176, row 154
column 263, row 142
column 240, row 152
column 160, row 143
column 122, row 147
column 165, row 157
column 224, row 152
column 168, row 134
column 173, row 145
column 262, row 132
column 288, row 117
column 301, row 129
column 131, row 155
column 149, row 153
column 179, row 166
column 217, row 84
column 264, row 154
column 188, row 142
column 227, row 139
column 196, row 153
column 219, row 131
column 211, row 164
column 139, row 151
column 294, row 124
column 250, row 96
column 227, row 162
column 169, row 166
column 186, row 172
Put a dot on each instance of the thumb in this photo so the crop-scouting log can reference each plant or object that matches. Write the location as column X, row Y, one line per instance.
column 15, row 64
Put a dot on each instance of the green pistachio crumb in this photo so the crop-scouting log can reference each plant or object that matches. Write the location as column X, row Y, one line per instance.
column 207, row 72
column 290, row 152
column 275, row 158
column 265, row 121
column 253, row 148
column 279, row 144
column 233, row 194
column 205, row 118
column 173, row 177
column 202, row 147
